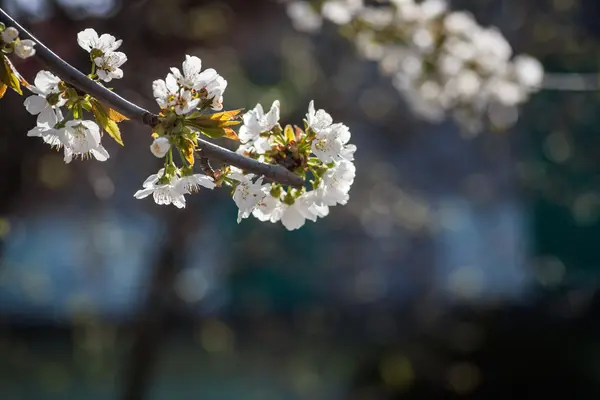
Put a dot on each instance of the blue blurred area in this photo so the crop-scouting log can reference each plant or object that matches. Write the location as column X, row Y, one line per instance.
column 459, row 264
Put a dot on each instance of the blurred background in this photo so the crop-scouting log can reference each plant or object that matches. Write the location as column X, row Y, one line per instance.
column 462, row 267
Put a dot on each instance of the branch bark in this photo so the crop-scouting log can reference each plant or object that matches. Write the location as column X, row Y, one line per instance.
column 134, row 112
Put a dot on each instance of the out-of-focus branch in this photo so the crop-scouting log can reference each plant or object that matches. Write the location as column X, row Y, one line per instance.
column 134, row 112
column 572, row 82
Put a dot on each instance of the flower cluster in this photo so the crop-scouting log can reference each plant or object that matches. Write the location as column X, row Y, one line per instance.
column 438, row 59
column 183, row 98
column 106, row 61
column 190, row 89
column 11, row 43
column 191, row 101
column 67, row 129
column 320, row 152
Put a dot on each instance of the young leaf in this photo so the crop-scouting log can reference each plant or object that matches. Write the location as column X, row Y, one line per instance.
column 187, row 149
column 9, row 76
column 105, row 122
column 113, row 130
column 289, row 133
column 116, row 116
column 216, row 125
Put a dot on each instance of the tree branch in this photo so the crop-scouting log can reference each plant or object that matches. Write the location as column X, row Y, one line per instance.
column 134, row 112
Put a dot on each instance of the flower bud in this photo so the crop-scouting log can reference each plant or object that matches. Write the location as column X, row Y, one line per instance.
column 160, row 146
column 9, row 34
column 24, row 48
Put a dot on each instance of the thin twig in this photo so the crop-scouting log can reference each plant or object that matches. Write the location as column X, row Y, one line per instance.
column 134, row 112
column 572, row 82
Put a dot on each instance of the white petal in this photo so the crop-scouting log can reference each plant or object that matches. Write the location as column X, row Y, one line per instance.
column 142, row 194
column 87, row 39
column 93, row 132
column 46, row 82
column 292, row 219
column 47, row 118
column 191, row 66
column 36, row 132
column 100, row 153
column 176, row 73
column 206, row 181
column 105, row 76
column 171, row 83
column 35, row 104
column 108, row 43
column 273, row 115
column 68, row 155
column 159, row 89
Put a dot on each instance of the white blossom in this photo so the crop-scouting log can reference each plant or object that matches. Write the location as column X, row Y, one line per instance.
column 528, row 71
column 443, row 62
column 336, row 184
column 266, row 209
column 293, row 216
column 89, row 40
column 329, row 143
column 184, row 103
column 165, row 91
column 46, row 88
column 214, row 92
column 82, row 138
column 25, row 48
column 191, row 75
column 304, row 17
column 55, row 137
column 317, row 120
column 330, row 139
column 257, row 122
column 163, row 191
column 341, row 12
column 168, row 94
column 9, row 35
column 192, row 183
column 160, row 146
column 247, row 194
column 108, row 65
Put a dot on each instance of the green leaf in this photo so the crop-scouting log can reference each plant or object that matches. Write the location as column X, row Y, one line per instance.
column 8, row 75
column 289, row 133
column 110, row 126
column 116, row 116
column 214, row 133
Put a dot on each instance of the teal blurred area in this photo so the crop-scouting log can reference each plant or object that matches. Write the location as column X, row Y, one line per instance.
column 462, row 267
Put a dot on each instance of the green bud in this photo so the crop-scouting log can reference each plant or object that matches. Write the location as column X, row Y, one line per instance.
column 276, row 191
column 72, row 94
column 53, row 98
column 159, row 130
column 187, row 170
column 2, row 27
column 95, row 53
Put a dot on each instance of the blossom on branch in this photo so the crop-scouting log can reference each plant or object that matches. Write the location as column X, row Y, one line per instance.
column 160, row 147
column 89, row 40
column 320, row 153
column 164, row 189
column 47, row 100
column 81, row 139
column 109, row 65
column 25, row 48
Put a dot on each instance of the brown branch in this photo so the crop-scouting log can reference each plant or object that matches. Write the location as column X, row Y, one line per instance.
column 134, row 112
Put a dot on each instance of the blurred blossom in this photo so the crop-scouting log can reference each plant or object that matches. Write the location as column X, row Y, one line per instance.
column 440, row 60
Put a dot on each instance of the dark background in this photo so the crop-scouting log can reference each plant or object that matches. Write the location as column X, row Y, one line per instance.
column 461, row 268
